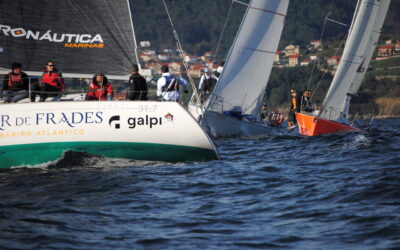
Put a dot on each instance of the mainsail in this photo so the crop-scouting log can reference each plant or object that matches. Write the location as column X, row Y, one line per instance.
column 360, row 45
column 82, row 37
column 249, row 63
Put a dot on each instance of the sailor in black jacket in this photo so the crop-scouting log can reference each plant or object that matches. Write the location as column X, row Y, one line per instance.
column 137, row 86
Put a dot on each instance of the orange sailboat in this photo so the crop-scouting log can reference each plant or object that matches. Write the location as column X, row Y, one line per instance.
column 312, row 125
column 360, row 45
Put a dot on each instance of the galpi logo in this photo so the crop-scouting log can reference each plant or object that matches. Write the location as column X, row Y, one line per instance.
column 134, row 122
column 69, row 40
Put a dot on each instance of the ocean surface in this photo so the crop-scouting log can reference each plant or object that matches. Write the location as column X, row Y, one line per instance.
column 289, row 192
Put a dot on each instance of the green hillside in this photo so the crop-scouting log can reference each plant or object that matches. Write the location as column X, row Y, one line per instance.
column 199, row 23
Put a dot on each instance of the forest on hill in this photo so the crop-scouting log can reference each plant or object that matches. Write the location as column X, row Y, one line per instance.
column 199, row 24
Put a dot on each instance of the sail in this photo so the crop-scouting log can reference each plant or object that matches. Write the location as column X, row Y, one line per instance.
column 359, row 48
column 82, row 37
column 250, row 61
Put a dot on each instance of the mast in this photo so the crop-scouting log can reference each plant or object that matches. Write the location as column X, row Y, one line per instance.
column 360, row 45
column 134, row 35
column 251, row 57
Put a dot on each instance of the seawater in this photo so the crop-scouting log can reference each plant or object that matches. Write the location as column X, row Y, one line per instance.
column 327, row 192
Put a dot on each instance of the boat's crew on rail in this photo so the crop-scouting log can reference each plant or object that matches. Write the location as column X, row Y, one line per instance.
column 264, row 112
column 207, row 83
column 168, row 85
column 52, row 83
column 219, row 69
column 306, row 102
column 294, row 108
column 15, row 84
column 100, row 89
column 137, row 86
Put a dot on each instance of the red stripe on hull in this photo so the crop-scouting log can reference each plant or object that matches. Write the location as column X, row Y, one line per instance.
column 312, row 126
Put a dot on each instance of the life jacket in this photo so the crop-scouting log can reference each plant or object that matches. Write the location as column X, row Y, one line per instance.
column 53, row 78
column 208, row 84
column 294, row 102
column 15, row 82
column 171, row 84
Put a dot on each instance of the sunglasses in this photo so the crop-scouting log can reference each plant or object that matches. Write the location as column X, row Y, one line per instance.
column 50, row 65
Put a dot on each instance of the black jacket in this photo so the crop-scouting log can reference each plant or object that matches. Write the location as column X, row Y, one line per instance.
column 24, row 84
column 137, row 88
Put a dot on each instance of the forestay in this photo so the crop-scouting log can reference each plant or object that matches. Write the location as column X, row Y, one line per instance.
column 249, row 63
column 359, row 48
column 83, row 37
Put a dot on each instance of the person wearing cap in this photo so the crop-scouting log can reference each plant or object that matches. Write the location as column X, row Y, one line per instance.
column 137, row 86
column 207, row 83
column 263, row 112
column 168, row 85
column 15, row 84
column 294, row 108
column 52, row 83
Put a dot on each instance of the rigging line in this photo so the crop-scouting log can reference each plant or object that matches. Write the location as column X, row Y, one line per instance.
column 334, row 21
column 237, row 1
column 314, row 63
column 326, row 70
column 223, row 30
column 182, row 54
column 322, row 34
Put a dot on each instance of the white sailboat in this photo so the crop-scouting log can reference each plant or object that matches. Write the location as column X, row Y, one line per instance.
column 360, row 45
column 233, row 107
column 84, row 38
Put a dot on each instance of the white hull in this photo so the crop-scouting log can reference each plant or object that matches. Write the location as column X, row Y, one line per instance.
column 220, row 125
column 153, row 127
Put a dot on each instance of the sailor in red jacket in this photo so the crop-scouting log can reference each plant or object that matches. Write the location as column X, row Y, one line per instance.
column 16, row 84
column 52, row 83
column 100, row 89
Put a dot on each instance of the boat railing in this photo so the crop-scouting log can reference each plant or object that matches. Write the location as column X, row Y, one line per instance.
column 76, row 89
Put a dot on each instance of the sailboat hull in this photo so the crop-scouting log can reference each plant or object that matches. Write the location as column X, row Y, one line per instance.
column 310, row 125
column 221, row 125
column 40, row 132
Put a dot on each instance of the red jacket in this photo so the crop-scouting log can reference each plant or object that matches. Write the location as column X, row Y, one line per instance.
column 96, row 92
column 54, row 79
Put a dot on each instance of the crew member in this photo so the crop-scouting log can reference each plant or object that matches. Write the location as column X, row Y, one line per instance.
column 263, row 112
column 137, row 86
column 206, row 84
column 294, row 108
column 306, row 102
column 219, row 69
column 100, row 89
column 15, row 84
column 52, row 83
column 168, row 85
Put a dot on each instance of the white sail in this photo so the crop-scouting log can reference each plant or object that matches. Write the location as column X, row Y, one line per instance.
column 360, row 45
column 249, row 63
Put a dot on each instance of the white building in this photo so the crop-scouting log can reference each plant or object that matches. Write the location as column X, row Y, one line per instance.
column 144, row 44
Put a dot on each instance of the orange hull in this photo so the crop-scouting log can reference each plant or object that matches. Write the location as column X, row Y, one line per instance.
column 312, row 126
